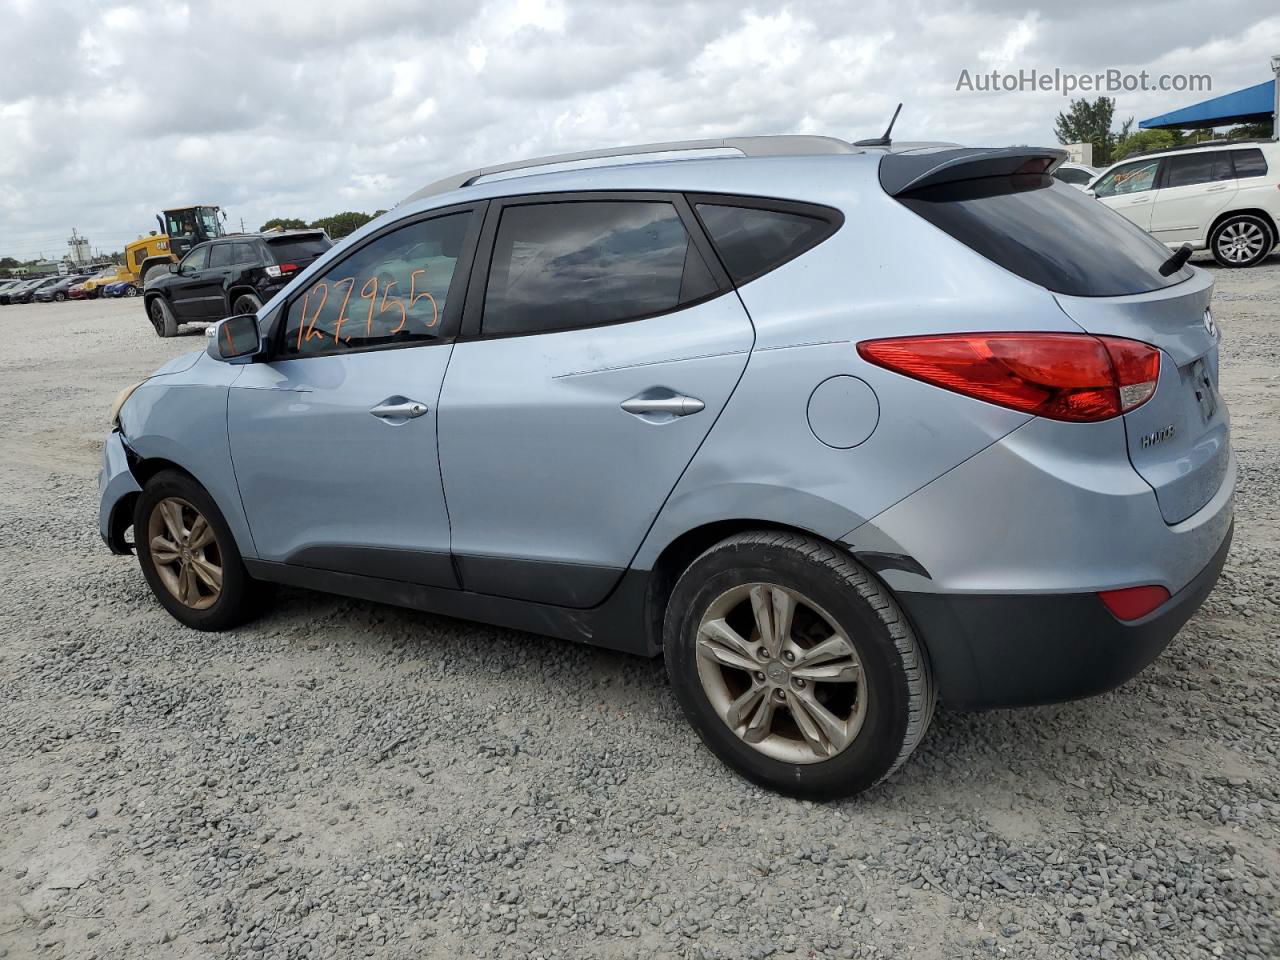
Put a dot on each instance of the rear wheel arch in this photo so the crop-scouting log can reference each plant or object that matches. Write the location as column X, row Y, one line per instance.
column 1249, row 212
column 677, row 556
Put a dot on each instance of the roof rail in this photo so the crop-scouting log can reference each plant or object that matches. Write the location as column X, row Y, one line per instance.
column 778, row 146
column 1220, row 142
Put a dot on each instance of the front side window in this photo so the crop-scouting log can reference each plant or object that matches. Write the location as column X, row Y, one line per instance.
column 1249, row 163
column 558, row 266
column 393, row 290
column 753, row 241
column 197, row 259
column 1131, row 178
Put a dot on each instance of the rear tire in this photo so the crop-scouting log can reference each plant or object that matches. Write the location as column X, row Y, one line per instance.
column 247, row 303
column 162, row 319
column 130, row 291
column 188, row 555
column 59, row 296
column 1242, row 240
column 863, row 728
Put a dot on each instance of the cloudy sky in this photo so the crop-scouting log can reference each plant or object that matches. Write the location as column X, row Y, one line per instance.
column 111, row 109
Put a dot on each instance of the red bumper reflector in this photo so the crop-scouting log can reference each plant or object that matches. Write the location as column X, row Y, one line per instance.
column 1133, row 603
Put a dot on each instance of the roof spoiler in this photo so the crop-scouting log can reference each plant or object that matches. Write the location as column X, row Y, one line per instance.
column 902, row 172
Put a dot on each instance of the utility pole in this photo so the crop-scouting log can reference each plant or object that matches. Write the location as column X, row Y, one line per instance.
column 242, row 224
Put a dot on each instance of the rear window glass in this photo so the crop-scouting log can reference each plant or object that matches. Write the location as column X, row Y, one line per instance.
column 1048, row 233
column 1249, row 163
column 752, row 241
column 299, row 248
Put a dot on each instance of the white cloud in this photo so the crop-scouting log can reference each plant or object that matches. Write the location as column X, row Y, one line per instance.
column 114, row 109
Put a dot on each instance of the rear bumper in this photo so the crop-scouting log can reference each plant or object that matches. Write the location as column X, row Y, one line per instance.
column 1019, row 650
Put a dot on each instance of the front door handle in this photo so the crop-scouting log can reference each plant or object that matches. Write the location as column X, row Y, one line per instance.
column 398, row 409
column 670, row 405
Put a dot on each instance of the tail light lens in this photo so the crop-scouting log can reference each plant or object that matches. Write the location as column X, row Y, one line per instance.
column 1076, row 377
column 283, row 269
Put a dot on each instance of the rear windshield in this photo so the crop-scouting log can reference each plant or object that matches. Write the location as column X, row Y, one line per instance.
column 305, row 247
column 1048, row 233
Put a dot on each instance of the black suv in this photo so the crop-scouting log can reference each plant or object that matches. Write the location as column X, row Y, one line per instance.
column 230, row 275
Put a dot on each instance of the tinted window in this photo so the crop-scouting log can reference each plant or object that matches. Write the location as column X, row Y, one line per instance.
column 196, row 259
column 245, row 252
column 305, row 247
column 1048, row 233
column 1072, row 175
column 1131, row 178
column 1249, row 163
column 1191, row 168
column 752, row 241
column 220, row 255
column 579, row 264
column 139, row 255
column 393, row 290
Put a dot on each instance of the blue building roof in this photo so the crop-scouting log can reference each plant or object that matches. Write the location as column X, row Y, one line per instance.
column 1250, row 105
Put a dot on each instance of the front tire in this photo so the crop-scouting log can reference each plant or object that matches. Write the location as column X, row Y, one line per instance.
column 59, row 296
column 188, row 555
column 1243, row 240
column 162, row 319
column 795, row 666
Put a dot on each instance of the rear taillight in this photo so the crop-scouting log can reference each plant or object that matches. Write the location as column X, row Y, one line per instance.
column 1133, row 603
column 284, row 268
column 1063, row 376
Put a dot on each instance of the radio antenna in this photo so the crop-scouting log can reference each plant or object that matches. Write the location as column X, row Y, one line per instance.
column 882, row 141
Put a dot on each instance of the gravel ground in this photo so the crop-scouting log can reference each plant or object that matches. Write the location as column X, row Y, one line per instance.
column 342, row 779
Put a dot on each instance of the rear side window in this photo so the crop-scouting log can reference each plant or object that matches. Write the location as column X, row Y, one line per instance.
column 392, row 291
column 1249, row 163
column 1187, row 169
column 752, row 241
column 244, row 252
column 557, row 266
column 220, row 255
column 307, row 247
column 1048, row 233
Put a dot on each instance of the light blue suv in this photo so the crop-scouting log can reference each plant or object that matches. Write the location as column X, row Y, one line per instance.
column 837, row 430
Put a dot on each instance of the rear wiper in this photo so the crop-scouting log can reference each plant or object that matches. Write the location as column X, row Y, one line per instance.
column 1175, row 262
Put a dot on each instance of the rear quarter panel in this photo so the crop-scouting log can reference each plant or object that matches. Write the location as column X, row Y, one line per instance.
column 885, row 273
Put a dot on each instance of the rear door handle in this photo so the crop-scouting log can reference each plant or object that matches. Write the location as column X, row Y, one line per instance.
column 398, row 409
column 675, row 406
column 1218, row 189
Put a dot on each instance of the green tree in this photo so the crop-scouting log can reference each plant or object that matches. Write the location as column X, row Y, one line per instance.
column 341, row 224
column 283, row 223
column 1089, row 121
column 1142, row 141
column 1251, row 131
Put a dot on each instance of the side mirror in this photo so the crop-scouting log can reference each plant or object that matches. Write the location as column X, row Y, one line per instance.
column 173, row 268
column 237, row 338
column 1091, row 192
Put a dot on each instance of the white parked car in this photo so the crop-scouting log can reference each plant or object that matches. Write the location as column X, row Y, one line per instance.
column 1078, row 175
column 1221, row 196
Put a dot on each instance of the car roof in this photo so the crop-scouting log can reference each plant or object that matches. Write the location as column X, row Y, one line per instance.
column 1191, row 147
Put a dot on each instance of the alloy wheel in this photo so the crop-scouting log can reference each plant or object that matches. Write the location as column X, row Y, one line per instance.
column 1241, row 241
column 185, row 553
column 781, row 673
